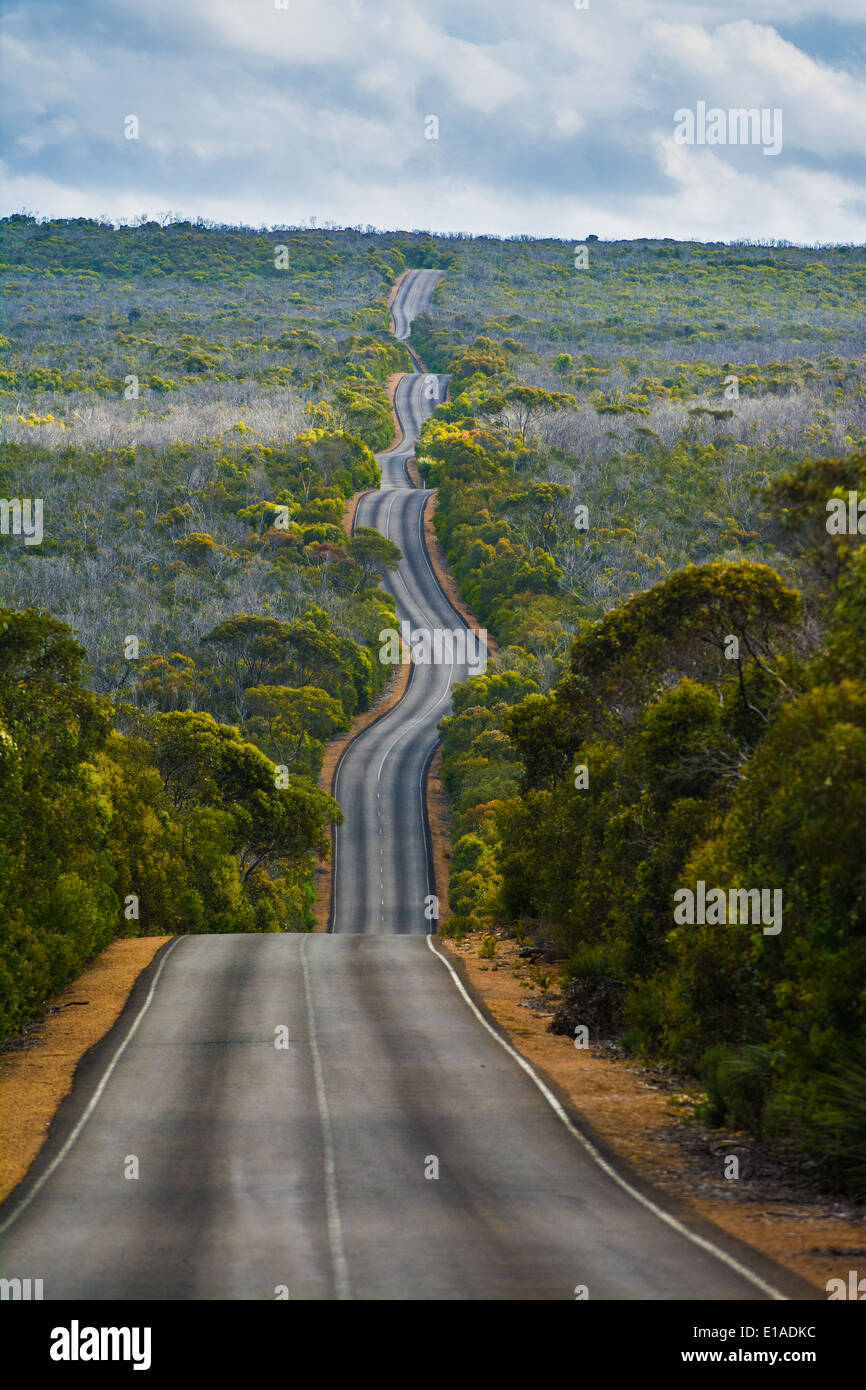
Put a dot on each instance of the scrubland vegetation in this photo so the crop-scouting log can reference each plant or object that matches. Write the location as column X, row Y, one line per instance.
column 615, row 520
column 195, row 624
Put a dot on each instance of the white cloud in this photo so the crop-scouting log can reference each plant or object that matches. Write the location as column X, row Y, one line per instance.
column 553, row 120
column 746, row 64
column 794, row 204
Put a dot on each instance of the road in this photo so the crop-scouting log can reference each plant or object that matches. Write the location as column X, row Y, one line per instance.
column 304, row 1166
column 413, row 298
column 308, row 1115
column 382, row 875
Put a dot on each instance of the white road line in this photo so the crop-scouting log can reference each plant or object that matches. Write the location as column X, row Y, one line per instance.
column 388, row 513
column 596, row 1156
column 421, row 716
column 335, row 1229
column 94, row 1099
column 450, row 669
column 422, row 779
column 409, row 597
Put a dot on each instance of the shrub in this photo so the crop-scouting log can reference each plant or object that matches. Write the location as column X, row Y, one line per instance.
column 738, row 1082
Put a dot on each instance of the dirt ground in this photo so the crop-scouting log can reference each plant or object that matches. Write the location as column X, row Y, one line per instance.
column 348, row 517
column 390, row 391
column 37, row 1066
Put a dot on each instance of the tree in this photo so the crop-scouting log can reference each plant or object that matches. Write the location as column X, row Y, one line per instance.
column 797, row 502
column 543, row 512
column 250, row 646
column 374, row 555
column 525, row 404
column 41, row 699
column 294, row 721
column 206, row 763
column 684, row 626
column 543, row 739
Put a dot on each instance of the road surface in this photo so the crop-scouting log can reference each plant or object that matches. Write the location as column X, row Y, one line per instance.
column 304, row 1167
column 413, row 298
column 382, row 877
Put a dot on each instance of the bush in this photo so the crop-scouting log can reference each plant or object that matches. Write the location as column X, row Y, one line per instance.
column 645, row 1009
column 594, row 1002
column 828, row 1120
column 457, row 927
column 738, row 1082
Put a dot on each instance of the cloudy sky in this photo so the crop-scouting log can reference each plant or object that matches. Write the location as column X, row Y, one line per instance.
column 552, row 120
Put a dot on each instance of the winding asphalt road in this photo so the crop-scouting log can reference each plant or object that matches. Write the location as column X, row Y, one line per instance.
column 413, row 298
column 382, row 877
column 306, row 1115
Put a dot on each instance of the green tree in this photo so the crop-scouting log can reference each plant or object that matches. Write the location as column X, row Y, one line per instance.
column 373, row 554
